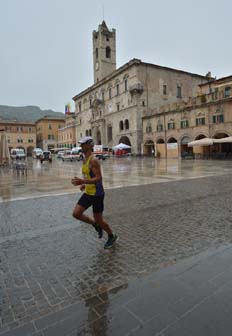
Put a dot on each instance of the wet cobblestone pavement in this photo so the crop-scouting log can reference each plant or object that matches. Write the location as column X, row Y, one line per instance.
column 56, row 278
column 54, row 178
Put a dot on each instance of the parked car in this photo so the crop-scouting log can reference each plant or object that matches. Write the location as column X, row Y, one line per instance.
column 70, row 156
column 60, row 154
column 77, row 153
column 46, row 156
column 36, row 153
column 17, row 153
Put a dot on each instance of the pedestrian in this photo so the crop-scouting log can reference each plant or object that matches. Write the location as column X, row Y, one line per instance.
column 91, row 184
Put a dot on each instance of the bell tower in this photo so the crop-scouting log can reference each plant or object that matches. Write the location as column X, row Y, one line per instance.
column 104, row 52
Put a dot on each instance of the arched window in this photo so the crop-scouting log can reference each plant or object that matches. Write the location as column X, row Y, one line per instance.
column 121, row 125
column 86, row 132
column 90, row 132
column 108, row 52
column 126, row 124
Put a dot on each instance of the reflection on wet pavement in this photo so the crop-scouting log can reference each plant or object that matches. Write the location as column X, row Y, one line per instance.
column 54, row 178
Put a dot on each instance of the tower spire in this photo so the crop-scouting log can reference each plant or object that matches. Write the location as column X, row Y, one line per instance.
column 104, row 51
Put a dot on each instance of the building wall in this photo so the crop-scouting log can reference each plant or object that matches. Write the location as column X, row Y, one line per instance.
column 47, row 132
column 209, row 108
column 110, row 111
column 144, row 94
column 20, row 135
column 67, row 134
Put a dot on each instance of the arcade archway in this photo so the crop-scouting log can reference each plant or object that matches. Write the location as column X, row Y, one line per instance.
column 221, row 150
column 125, row 140
column 149, row 148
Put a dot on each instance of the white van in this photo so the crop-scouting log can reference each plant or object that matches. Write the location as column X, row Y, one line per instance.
column 36, row 153
column 17, row 153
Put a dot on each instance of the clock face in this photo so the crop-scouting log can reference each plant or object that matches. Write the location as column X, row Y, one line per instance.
column 97, row 66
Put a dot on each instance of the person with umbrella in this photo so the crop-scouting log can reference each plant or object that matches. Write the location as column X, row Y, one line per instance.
column 94, row 193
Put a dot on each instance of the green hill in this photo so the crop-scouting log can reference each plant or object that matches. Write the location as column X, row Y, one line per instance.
column 26, row 113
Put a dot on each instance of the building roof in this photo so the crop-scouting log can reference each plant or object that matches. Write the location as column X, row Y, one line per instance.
column 218, row 81
column 16, row 122
column 126, row 66
column 51, row 118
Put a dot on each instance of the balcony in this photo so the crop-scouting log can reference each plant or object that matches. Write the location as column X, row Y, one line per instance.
column 136, row 88
column 96, row 102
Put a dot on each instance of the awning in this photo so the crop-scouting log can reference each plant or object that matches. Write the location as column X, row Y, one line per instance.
column 201, row 142
column 223, row 140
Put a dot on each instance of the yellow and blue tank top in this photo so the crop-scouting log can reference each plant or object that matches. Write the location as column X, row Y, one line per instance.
column 91, row 189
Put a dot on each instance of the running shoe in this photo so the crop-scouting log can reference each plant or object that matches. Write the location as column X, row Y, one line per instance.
column 110, row 242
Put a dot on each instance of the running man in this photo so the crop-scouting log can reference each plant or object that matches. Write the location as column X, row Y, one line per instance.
column 94, row 193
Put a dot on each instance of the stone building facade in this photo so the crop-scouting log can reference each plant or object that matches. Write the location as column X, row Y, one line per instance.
column 20, row 134
column 67, row 134
column 168, row 129
column 47, row 132
column 112, row 109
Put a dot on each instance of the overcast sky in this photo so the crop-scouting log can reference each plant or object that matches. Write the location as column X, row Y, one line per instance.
column 46, row 45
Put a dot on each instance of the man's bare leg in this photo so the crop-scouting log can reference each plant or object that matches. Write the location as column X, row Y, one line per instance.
column 103, row 224
column 78, row 214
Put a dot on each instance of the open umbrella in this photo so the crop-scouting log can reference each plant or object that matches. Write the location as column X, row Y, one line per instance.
column 201, row 142
column 121, row 146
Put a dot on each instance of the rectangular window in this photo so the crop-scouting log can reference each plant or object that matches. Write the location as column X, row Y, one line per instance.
column 118, row 106
column 125, row 83
column 79, row 105
column 110, row 94
column 159, row 128
column 164, row 89
column 227, row 92
column 110, row 133
column 200, row 121
column 218, row 119
column 184, row 124
column 171, row 125
column 178, row 92
column 50, row 126
column 216, row 94
column 117, row 89
column 149, row 129
column 103, row 96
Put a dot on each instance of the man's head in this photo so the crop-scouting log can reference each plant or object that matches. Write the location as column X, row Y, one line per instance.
column 86, row 143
